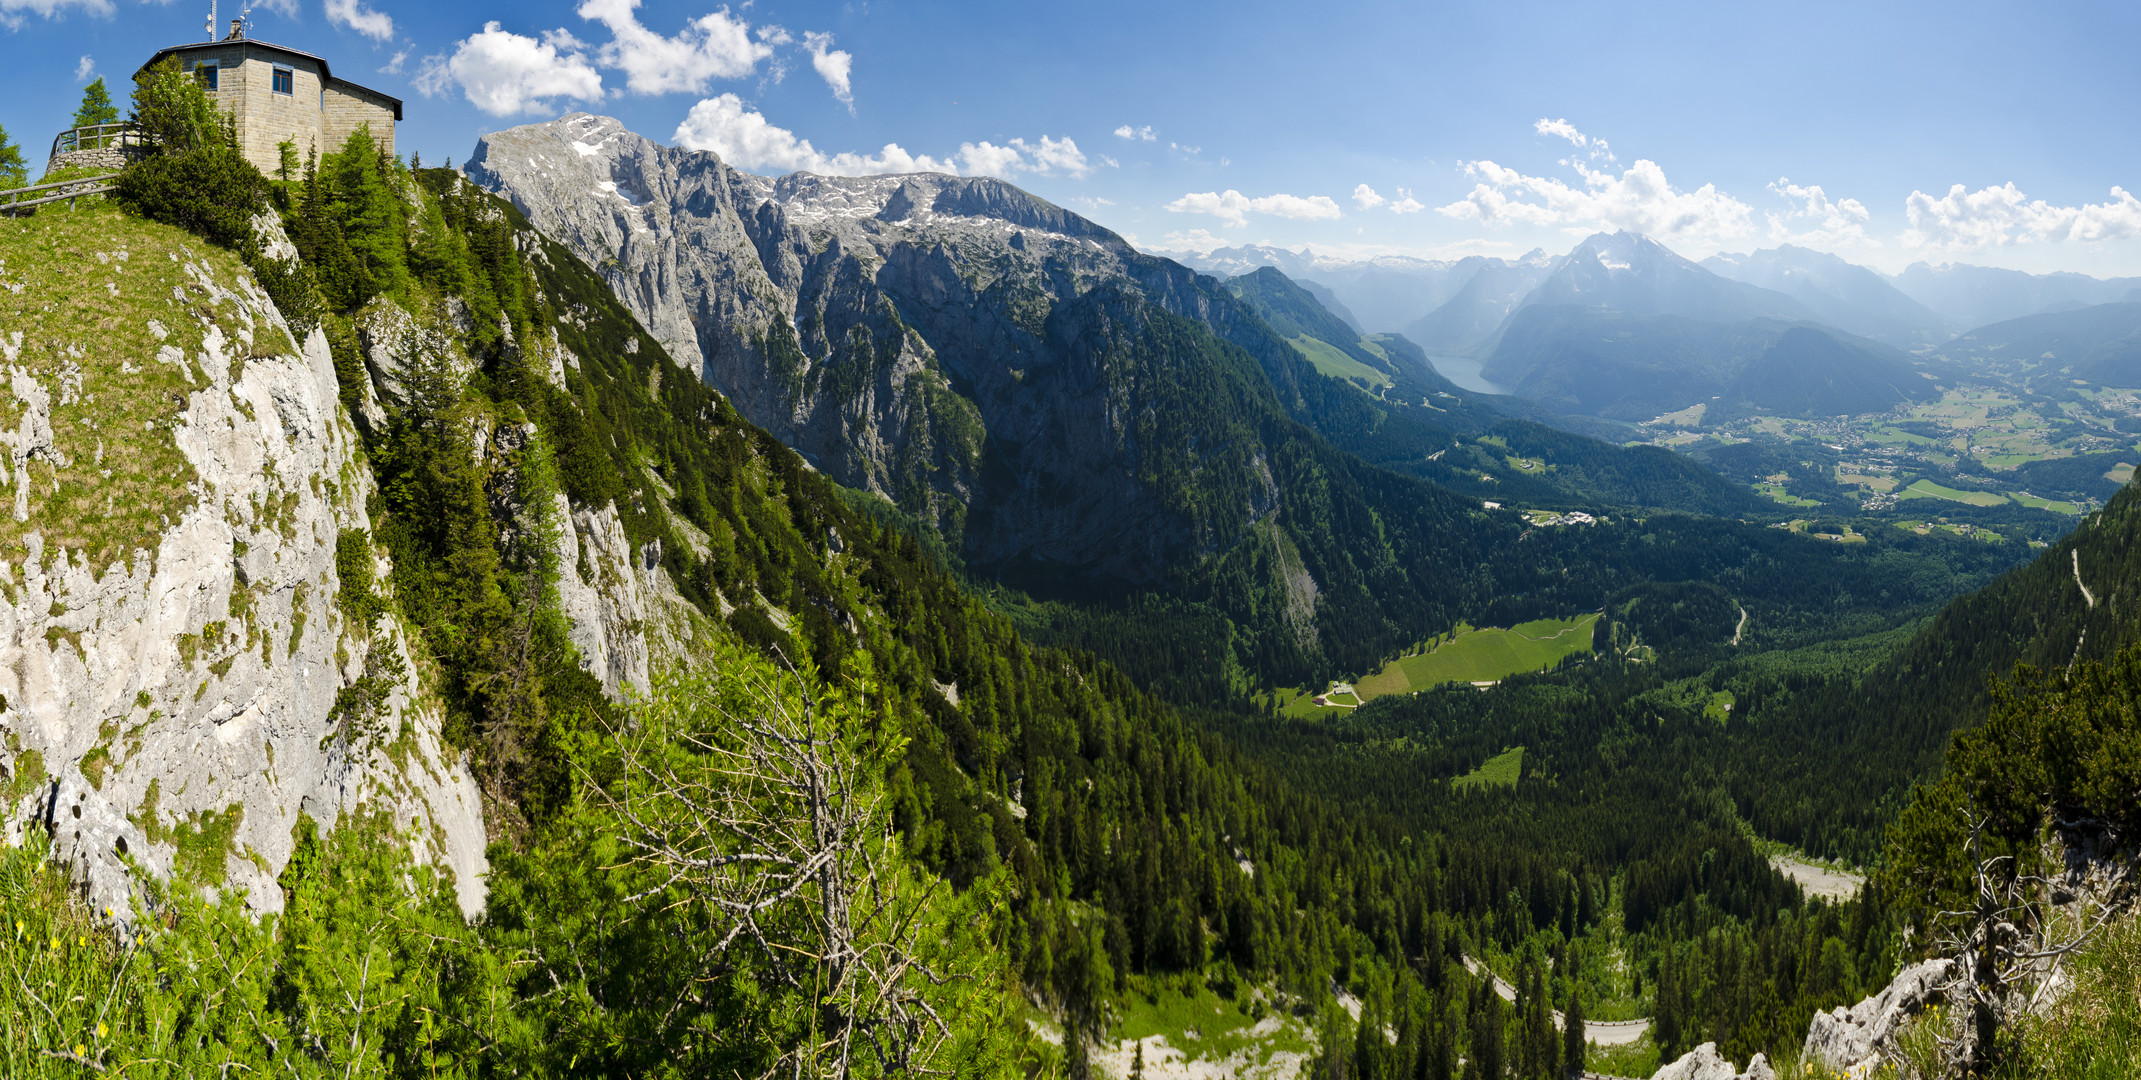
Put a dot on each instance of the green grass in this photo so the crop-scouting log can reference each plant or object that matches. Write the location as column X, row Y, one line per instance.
column 1485, row 656
column 1777, row 493
column 1202, row 1023
column 1500, row 770
column 86, row 339
column 1336, row 364
column 1719, row 707
column 1926, row 489
column 2048, row 504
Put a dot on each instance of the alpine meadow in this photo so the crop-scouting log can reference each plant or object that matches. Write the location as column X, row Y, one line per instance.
column 1264, row 546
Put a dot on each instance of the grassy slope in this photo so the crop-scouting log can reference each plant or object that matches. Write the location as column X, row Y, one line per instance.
column 1485, row 656
column 1501, row 770
column 118, row 478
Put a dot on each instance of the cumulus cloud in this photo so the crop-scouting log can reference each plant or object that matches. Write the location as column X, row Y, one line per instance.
column 744, row 138
column 12, row 11
column 1233, row 208
column 504, row 73
column 1638, row 199
column 714, row 46
column 1839, row 223
column 1139, row 134
column 394, row 63
column 833, row 65
column 1367, row 198
column 354, row 15
column 83, row 68
column 2002, row 216
column 1197, row 240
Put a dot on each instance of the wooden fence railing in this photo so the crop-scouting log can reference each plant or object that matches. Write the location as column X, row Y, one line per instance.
column 13, row 200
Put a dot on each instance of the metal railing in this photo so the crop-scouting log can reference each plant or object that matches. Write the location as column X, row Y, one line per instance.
column 97, row 137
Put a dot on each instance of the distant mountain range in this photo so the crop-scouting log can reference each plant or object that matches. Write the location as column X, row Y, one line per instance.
column 1624, row 328
column 1844, row 295
column 1457, row 306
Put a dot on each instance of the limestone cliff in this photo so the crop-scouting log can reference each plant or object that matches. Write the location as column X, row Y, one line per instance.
column 172, row 645
column 953, row 344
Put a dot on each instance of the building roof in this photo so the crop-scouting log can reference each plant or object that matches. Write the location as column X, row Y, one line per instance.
column 325, row 74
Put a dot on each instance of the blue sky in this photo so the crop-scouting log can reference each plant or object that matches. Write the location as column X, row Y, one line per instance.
column 1888, row 133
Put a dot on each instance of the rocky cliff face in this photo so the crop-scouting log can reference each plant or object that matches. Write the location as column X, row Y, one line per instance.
column 182, row 500
column 172, row 645
column 978, row 356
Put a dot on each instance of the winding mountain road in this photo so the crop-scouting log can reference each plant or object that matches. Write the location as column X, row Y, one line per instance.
column 1602, row 1032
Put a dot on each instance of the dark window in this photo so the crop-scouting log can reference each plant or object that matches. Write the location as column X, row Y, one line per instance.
column 206, row 73
column 283, row 81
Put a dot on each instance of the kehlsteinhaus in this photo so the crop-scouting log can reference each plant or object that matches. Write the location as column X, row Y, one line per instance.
column 278, row 94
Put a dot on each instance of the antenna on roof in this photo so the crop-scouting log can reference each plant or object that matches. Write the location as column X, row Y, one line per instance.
column 211, row 27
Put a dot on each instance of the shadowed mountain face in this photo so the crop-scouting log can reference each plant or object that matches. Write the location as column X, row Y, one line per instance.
column 2101, row 344
column 1636, row 367
column 1633, row 274
column 1476, row 311
column 1981, row 295
column 1844, row 295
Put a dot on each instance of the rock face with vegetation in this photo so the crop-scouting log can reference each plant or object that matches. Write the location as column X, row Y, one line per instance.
column 188, row 501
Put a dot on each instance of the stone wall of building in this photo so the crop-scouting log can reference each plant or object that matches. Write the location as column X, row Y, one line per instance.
column 266, row 118
column 102, row 157
column 348, row 106
column 318, row 114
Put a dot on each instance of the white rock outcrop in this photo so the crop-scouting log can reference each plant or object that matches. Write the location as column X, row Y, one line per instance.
column 1705, row 1063
column 181, row 704
column 1849, row 1041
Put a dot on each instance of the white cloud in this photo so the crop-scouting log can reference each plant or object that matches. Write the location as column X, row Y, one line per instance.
column 1142, row 134
column 711, row 46
column 1640, row 199
column 12, row 11
column 393, row 65
column 747, row 140
column 1233, row 208
column 1366, row 198
column 1406, row 204
column 832, row 65
column 1990, row 217
column 83, row 68
column 504, row 73
column 353, row 14
column 744, row 138
column 1840, row 223
column 1566, row 130
column 1197, row 240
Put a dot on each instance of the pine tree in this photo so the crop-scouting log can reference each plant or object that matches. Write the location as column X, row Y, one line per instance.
column 13, row 173
column 97, row 107
column 1573, row 1042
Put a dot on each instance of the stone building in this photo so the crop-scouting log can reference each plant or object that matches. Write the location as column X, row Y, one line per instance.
column 279, row 94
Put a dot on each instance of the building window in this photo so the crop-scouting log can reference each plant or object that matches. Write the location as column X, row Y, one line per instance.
column 206, row 74
column 285, row 81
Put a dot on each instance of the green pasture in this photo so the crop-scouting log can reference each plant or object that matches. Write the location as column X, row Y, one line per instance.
column 1500, row 770
column 1484, row 656
column 2053, row 505
column 1926, row 489
column 1328, row 360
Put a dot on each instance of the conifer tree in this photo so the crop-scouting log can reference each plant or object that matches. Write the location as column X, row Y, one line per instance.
column 13, row 173
column 1572, row 1037
column 96, row 107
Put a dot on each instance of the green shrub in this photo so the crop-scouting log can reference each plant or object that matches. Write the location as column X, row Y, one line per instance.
column 211, row 191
